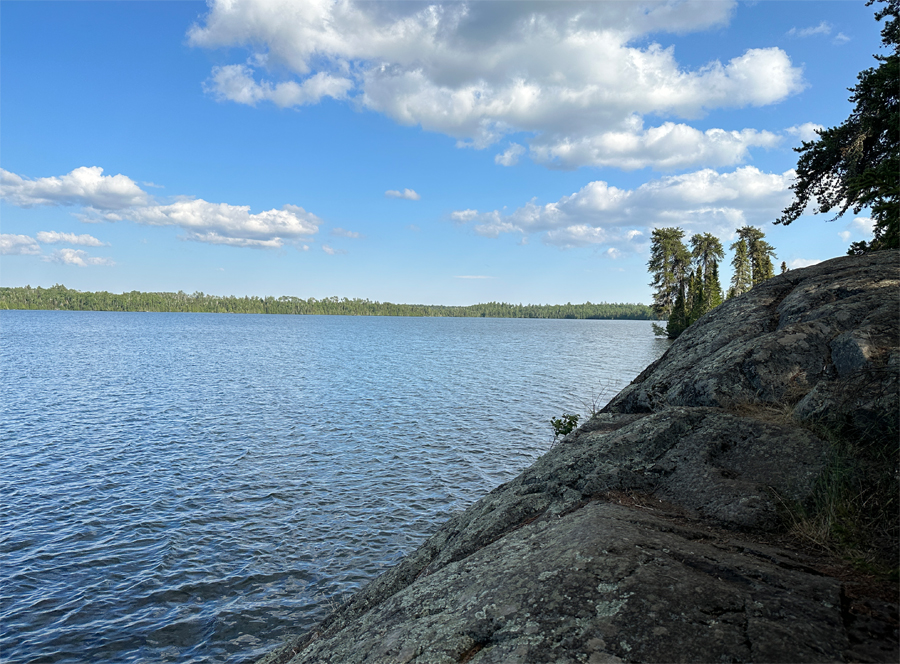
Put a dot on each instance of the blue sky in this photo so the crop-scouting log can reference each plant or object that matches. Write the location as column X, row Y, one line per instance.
column 443, row 153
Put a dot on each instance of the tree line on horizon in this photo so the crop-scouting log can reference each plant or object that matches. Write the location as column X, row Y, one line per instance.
column 686, row 281
column 59, row 297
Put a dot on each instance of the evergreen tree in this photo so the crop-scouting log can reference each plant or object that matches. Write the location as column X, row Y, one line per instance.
column 760, row 254
column 668, row 264
column 856, row 164
column 752, row 260
column 678, row 318
column 707, row 251
column 742, row 279
column 697, row 296
column 713, row 288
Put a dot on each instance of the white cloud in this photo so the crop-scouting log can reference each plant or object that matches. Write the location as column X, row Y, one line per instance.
column 569, row 74
column 406, row 194
column 331, row 251
column 803, row 262
column 601, row 214
column 462, row 216
column 233, row 225
column 667, row 147
column 18, row 245
column 824, row 28
column 235, row 83
column 54, row 237
column 511, row 156
column 85, row 186
column 118, row 198
column 863, row 225
column 840, row 39
column 77, row 257
column 861, row 228
column 806, row 131
column 340, row 232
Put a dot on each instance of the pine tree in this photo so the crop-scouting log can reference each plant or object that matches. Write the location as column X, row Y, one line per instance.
column 713, row 288
column 678, row 318
column 697, row 296
column 707, row 251
column 856, row 164
column 742, row 279
column 760, row 254
column 668, row 264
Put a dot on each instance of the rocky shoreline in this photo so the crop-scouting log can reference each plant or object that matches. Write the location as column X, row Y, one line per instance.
column 656, row 532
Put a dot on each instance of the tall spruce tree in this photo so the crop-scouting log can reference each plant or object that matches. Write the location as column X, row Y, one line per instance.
column 668, row 264
column 697, row 289
column 678, row 318
column 713, row 290
column 760, row 254
column 707, row 252
column 857, row 164
column 742, row 278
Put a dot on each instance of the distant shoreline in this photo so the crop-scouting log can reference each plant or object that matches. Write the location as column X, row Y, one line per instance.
column 65, row 299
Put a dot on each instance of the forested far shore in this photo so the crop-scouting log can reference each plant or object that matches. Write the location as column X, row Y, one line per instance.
column 59, row 297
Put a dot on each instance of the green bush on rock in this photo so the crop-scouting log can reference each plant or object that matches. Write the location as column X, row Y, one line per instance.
column 562, row 426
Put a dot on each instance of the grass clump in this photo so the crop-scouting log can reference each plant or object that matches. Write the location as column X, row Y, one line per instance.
column 854, row 508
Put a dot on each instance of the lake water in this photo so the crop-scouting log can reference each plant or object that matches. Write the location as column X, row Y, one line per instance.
column 195, row 487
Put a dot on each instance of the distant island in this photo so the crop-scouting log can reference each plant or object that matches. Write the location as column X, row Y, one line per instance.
column 59, row 297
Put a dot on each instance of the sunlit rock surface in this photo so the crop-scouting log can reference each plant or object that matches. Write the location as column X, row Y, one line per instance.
column 640, row 536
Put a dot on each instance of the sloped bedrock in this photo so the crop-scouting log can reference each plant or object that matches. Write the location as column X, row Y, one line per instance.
column 548, row 568
column 714, row 465
column 603, row 583
column 823, row 332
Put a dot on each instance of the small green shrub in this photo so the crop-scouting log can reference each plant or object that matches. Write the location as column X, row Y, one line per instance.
column 564, row 425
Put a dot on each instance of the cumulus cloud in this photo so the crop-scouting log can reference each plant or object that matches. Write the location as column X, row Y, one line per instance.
column 601, row 214
column 221, row 223
column 667, row 147
column 77, row 257
column 808, row 131
column 86, row 186
column 863, row 225
column 406, row 194
column 236, row 83
column 862, row 228
column 18, row 245
column 55, row 237
column 511, row 156
column 331, row 251
column 462, row 216
column 118, row 198
column 578, row 77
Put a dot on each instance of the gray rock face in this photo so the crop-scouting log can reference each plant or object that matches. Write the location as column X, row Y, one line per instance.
column 822, row 341
column 603, row 583
column 623, row 543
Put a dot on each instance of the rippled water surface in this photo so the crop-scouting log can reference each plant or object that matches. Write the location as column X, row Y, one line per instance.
column 194, row 487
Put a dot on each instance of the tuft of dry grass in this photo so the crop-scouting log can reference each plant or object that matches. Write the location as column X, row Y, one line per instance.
column 854, row 509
